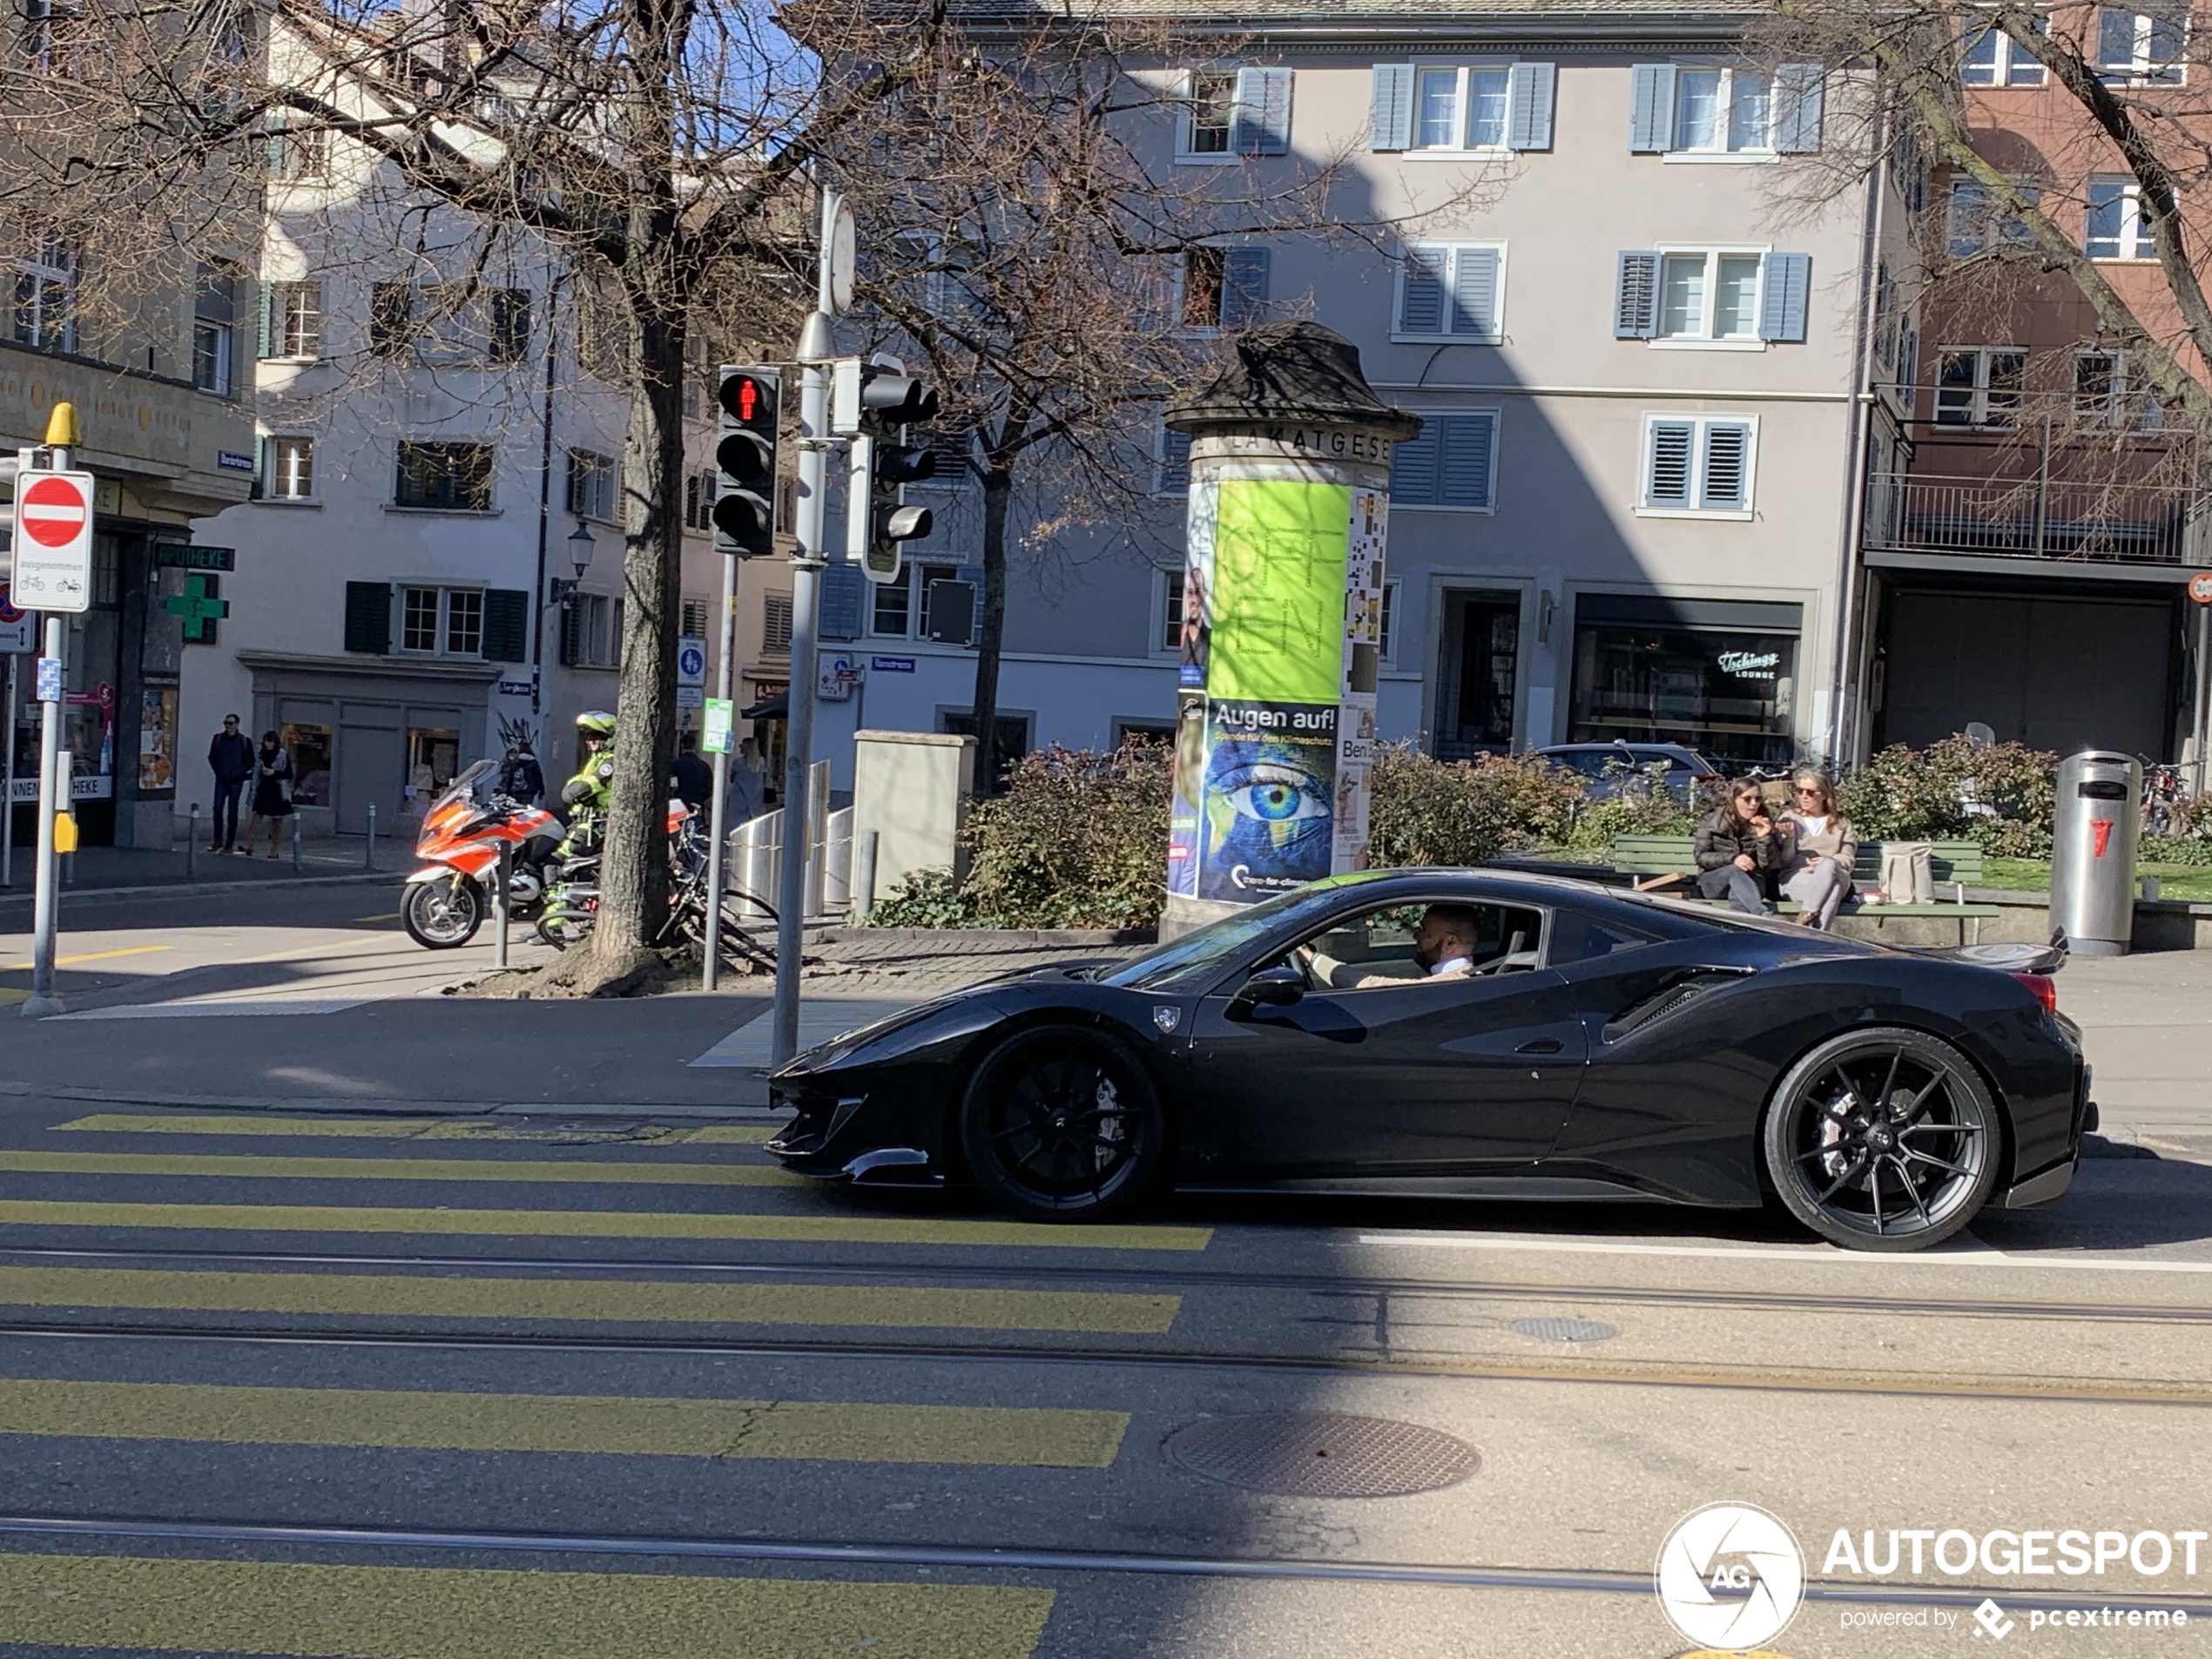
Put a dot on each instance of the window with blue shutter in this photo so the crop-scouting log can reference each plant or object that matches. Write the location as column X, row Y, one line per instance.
column 1529, row 97
column 1672, row 449
column 1244, row 286
column 1636, row 297
column 1390, row 121
column 1698, row 463
column 1450, row 291
column 1174, row 464
column 1784, row 296
column 1261, row 122
column 1726, row 480
column 1651, row 108
column 1453, row 463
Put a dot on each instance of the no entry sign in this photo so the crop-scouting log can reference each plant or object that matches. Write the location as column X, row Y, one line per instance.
column 2200, row 587
column 53, row 541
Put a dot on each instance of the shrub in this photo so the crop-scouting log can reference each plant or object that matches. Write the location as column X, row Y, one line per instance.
column 1427, row 811
column 2001, row 796
column 2176, row 849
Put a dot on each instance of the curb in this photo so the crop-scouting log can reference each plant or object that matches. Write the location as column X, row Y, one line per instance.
column 380, row 1105
column 66, row 894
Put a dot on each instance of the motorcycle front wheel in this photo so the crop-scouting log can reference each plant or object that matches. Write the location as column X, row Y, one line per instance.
column 443, row 915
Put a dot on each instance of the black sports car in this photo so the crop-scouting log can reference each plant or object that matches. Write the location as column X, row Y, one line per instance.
column 1573, row 1042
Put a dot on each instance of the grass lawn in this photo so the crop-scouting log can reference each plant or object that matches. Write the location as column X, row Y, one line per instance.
column 2033, row 875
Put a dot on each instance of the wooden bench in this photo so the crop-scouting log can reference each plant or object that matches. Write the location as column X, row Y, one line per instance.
column 1958, row 865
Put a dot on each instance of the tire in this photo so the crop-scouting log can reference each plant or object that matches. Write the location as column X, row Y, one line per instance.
column 1060, row 1124
column 443, row 915
column 1885, row 1139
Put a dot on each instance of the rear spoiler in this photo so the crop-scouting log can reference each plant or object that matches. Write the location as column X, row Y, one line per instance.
column 2005, row 959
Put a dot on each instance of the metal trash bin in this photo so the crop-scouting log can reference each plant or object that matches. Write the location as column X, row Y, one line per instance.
column 2093, row 853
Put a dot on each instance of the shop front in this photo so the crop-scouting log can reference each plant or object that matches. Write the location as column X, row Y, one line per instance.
column 1719, row 674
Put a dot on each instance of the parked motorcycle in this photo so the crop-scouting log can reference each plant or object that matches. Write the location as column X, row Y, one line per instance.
column 462, row 837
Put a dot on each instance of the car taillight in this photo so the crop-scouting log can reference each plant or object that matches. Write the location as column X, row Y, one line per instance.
column 2046, row 989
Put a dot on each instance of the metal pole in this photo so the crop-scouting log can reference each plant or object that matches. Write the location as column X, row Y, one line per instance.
column 368, row 858
column 718, row 812
column 501, row 875
column 2204, row 692
column 42, row 1000
column 295, row 842
column 64, row 792
column 817, row 345
column 864, row 874
column 191, row 839
column 8, row 790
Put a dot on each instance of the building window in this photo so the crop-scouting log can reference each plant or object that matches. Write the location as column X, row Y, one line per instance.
column 2142, row 48
column 1231, row 112
column 1224, row 287
column 1709, row 295
column 391, row 317
column 698, row 617
column 45, row 300
column 590, row 631
column 1170, row 634
column 1699, row 464
column 290, row 468
column 1461, row 108
column 452, row 477
column 1209, row 112
column 1172, row 459
column 1451, row 291
column 507, row 324
column 1453, row 463
column 1980, row 386
column 464, row 623
column 1714, row 675
column 419, row 619
column 2117, row 229
column 298, row 154
column 699, row 501
column 1993, row 57
column 295, row 319
column 2111, row 392
column 775, row 625
column 892, row 613
column 1389, row 651
column 591, row 486
column 1723, row 109
column 214, row 322
column 1975, row 222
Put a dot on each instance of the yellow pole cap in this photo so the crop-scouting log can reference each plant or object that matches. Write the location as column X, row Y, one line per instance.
column 63, row 431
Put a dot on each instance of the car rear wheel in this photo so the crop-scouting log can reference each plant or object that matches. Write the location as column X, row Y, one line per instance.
column 1883, row 1139
column 1061, row 1123
column 442, row 916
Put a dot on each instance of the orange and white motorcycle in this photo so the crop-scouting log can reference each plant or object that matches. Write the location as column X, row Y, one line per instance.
column 462, row 834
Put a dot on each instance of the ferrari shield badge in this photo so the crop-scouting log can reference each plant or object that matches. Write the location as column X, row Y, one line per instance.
column 1166, row 1017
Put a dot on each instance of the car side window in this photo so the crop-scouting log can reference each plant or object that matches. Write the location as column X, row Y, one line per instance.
column 1382, row 949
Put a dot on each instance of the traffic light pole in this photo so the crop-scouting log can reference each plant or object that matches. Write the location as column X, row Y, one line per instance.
column 719, row 813
column 816, row 345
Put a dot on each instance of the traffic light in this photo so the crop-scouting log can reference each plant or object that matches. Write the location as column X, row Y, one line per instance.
column 875, row 405
column 744, row 461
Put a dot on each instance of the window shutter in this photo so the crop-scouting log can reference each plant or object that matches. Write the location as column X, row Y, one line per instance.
column 1636, row 297
column 576, row 502
column 506, row 625
column 510, row 324
column 368, row 618
column 1797, row 97
column 572, row 617
column 1175, row 462
column 391, row 312
column 1390, row 120
column 1651, row 108
column 1667, row 484
column 260, row 470
column 1728, row 452
column 1529, row 96
column 1244, row 286
column 1474, row 292
column 1464, row 471
column 1420, row 294
column 268, row 319
column 1783, row 293
column 1261, row 123
column 1413, row 466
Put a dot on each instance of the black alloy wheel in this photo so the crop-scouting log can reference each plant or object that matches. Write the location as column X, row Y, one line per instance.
column 1883, row 1139
column 1063, row 1123
column 443, row 915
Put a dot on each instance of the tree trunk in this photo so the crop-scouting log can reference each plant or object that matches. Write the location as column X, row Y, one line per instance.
column 998, row 497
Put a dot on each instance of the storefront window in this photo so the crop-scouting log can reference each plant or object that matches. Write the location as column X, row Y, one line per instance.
column 433, row 759
column 309, row 747
column 1681, row 674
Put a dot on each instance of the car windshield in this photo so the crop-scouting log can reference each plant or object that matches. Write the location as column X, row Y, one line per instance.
column 1193, row 962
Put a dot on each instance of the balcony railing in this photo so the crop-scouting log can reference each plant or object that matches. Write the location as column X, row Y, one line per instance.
column 2039, row 518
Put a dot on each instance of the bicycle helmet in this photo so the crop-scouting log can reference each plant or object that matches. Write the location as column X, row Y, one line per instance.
column 596, row 722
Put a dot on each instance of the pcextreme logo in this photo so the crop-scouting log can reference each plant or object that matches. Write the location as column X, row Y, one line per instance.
column 1730, row 1575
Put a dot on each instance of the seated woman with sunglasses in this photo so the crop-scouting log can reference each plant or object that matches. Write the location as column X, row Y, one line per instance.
column 1818, row 850
column 1738, row 850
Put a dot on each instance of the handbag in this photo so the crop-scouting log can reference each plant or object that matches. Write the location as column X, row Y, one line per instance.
column 1908, row 872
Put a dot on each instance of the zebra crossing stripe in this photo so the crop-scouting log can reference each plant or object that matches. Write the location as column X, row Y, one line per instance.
column 641, row 1173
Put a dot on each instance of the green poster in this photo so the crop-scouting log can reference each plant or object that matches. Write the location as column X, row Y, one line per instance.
column 1278, row 606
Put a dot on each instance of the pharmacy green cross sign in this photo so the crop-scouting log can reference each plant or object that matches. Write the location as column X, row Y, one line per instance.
column 199, row 607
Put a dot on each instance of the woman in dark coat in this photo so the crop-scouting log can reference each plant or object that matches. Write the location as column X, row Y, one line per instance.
column 1738, row 851
column 271, row 794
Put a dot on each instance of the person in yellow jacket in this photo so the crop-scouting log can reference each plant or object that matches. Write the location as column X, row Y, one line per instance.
column 588, row 789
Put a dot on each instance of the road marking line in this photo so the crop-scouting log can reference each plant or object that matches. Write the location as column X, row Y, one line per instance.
column 830, row 1431
column 190, row 1010
column 593, row 1224
column 9, row 998
column 594, row 1301
column 383, row 915
column 402, row 1129
column 115, row 1603
column 90, row 956
column 247, row 1166
column 1938, row 1257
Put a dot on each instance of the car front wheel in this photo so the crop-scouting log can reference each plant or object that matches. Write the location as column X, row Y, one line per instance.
column 1883, row 1139
column 1061, row 1123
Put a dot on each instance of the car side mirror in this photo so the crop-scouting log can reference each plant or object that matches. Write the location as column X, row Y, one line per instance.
column 1270, row 987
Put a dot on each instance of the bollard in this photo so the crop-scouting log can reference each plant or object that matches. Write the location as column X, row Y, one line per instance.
column 864, row 875
column 192, row 839
column 500, row 877
column 368, row 859
column 295, row 843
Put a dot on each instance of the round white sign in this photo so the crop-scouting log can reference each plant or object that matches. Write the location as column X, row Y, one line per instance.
column 1730, row 1575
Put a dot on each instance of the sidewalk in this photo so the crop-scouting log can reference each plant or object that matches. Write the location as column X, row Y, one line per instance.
column 124, row 869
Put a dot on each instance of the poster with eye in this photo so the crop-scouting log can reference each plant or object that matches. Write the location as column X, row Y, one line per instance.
column 1269, row 797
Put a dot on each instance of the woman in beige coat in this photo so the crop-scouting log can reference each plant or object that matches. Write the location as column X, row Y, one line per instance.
column 1820, row 851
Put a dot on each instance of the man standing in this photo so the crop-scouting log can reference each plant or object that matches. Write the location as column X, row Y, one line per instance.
column 230, row 757
column 691, row 778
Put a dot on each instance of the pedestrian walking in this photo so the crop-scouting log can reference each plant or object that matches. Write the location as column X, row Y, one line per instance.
column 691, row 778
column 521, row 778
column 230, row 757
column 271, row 794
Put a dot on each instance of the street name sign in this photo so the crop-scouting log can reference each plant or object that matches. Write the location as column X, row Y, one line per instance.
column 53, row 541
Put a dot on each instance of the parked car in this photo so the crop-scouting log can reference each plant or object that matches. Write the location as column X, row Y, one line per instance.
column 1588, row 1043
column 1688, row 774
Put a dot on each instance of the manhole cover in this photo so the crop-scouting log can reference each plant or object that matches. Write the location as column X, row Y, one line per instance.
column 1322, row 1454
column 1564, row 1330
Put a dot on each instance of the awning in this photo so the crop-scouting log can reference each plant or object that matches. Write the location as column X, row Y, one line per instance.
column 768, row 708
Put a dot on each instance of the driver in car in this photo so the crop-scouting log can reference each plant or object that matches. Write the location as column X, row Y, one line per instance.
column 1444, row 947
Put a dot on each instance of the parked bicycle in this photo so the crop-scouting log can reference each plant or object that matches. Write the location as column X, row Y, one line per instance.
column 572, row 907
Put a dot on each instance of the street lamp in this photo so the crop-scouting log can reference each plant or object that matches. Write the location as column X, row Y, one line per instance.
column 580, row 548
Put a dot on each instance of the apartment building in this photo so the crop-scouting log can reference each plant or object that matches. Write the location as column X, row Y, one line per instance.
column 1645, row 388
column 2030, row 538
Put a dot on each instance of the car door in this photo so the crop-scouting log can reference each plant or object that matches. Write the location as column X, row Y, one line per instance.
column 1432, row 1077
